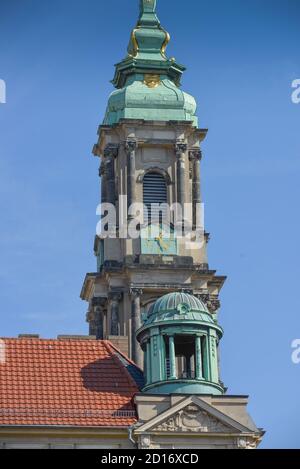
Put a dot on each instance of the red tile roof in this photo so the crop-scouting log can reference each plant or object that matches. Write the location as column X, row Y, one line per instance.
column 65, row 382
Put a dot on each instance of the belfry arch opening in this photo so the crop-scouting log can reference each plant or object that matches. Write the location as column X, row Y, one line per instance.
column 186, row 357
column 155, row 196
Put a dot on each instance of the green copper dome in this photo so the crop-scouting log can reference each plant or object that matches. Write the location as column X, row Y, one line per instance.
column 178, row 307
column 147, row 81
column 172, row 301
column 164, row 102
column 180, row 340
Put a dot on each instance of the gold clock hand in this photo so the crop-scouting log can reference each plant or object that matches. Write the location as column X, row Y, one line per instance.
column 158, row 240
column 161, row 243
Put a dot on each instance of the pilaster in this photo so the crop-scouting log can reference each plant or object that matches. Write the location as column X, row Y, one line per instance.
column 181, row 148
column 195, row 156
column 131, row 147
column 110, row 154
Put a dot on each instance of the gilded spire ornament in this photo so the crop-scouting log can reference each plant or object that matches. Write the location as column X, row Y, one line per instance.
column 147, row 81
column 148, row 39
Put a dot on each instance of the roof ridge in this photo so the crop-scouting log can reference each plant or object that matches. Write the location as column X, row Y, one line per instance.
column 125, row 356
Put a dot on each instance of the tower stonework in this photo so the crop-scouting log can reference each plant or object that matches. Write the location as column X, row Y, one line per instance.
column 154, row 295
column 150, row 151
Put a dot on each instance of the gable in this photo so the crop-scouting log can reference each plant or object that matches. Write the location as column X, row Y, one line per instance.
column 193, row 415
column 193, row 419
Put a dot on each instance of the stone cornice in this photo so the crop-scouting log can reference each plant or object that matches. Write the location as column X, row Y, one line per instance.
column 88, row 284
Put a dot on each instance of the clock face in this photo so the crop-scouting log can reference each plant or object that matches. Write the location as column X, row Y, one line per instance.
column 158, row 240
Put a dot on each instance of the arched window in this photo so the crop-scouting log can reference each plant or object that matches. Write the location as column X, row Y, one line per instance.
column 184, row 357
column 155, row 194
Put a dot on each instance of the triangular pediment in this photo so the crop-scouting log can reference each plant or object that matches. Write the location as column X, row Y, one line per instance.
column 193, row 419
column 193, row 415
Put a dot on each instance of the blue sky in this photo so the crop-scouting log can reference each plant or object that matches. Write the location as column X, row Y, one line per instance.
column 57, row 60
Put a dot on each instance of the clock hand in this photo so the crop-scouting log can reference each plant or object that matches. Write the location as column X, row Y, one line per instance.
column 164, row 245
column 161, row 243
column 158, row 240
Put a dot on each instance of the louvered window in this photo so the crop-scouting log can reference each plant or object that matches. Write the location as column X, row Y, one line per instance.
column 155, row 194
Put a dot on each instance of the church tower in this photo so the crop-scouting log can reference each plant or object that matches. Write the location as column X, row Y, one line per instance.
column 154, row 295
column 150, row 151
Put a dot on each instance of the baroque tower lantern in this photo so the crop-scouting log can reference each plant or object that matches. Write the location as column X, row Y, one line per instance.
column 180, row 339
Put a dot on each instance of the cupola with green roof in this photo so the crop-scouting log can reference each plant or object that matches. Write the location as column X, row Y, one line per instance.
column 147, row 81
column 180, row 340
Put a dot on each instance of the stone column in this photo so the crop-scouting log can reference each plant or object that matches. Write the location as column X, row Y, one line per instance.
column 130, row 147
column 99, row 323
column 114, row 314
column 199, row 371
column 172, row 358
column 102, row 174
column 188, row 366
column 110, row 154
column 206, row 359
column 148, row 364
column 195, row 157
column 136, row 351
column 181, row 149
